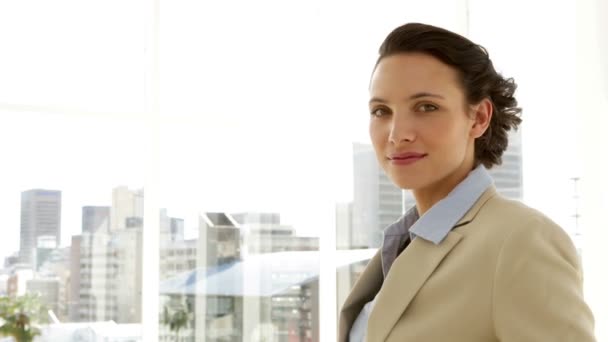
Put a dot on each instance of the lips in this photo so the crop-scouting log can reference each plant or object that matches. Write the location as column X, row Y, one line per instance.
column 405, row 159
column 406, row 155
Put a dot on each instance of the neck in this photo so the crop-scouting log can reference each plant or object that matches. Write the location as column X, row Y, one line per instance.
column 428, row 196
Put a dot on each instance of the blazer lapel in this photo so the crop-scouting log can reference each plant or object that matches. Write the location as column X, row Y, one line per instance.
column 363, row 291
column 410, row 271
column 408, row 274
column 470, row 215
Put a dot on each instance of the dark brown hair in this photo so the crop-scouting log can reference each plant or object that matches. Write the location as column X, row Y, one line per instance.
column 477, row 75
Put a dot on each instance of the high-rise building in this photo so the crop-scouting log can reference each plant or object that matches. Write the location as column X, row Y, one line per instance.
column 40, row 216
column 110, row 271
column 55, row 268
column 344, row 214
column 127, row 208
column 229, row 237
column 126, row 251
column 267, row 296
column 176, row 229
column 95, row 218
column 94, row 273
column 264, row 233
column 219, row 239
column 508, row 177
column 177, row 257
column 171, row 228
column 45, row 245
column 377, row 202
column 110, row 267
column 258, row 281
column 73, row 304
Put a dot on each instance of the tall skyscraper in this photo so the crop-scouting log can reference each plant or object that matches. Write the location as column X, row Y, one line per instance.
column 92, row 283
column 127, row 208
column 126, row 248
column 95, row 218
column 508, row 177
column 110, row 265
column 40, row 216
column 377, row 202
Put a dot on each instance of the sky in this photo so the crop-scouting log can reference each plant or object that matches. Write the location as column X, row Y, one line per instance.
column 260, row 102
column 252, row 118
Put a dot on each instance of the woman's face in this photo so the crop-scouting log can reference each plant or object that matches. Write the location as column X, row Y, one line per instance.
column 422, row 129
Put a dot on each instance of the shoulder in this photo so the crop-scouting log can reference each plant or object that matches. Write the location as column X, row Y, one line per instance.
column 501, row 211
column 517, row 225
column 500, row 218
column 511, row 209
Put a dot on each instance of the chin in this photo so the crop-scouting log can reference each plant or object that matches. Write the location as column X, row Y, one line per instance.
column 406, row 183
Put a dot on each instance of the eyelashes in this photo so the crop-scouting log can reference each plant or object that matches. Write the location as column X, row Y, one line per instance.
column 428, row 105
column 419, row 108
column 378, row 112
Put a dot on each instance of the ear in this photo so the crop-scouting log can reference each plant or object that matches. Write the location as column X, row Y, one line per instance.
column 482, row 115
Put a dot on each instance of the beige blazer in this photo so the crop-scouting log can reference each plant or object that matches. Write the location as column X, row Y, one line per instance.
column 504, row 273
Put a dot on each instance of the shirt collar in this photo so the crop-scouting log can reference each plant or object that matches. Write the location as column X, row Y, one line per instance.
column 437, row 222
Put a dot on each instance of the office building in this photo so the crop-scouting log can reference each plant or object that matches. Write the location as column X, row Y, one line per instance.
column 95, row 219
column 40, row 216
column 377, row 202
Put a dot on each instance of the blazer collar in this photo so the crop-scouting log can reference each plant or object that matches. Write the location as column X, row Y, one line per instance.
column 470, row 215
column 408, row 274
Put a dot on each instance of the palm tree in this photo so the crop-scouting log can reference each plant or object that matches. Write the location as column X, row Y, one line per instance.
column 18, row 316
column 177, row 319
column 19, row 327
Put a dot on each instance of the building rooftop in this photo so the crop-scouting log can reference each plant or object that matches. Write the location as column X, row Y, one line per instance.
column 259, row 275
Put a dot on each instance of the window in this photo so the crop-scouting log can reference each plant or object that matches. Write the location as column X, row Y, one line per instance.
column 212, row 169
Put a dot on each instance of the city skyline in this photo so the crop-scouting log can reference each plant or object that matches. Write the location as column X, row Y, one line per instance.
column 281, row 184
column 124, row 244
column 363, row 155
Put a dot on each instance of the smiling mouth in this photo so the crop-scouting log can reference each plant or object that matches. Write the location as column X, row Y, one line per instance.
column 406, row 160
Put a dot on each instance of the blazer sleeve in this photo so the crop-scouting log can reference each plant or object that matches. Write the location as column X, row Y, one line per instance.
column 538, row 287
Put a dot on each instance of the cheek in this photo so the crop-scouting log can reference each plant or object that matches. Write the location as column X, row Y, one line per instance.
column 445, row 133
column 376, row 133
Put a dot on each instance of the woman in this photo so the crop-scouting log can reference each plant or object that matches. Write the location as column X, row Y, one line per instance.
column 465, row 264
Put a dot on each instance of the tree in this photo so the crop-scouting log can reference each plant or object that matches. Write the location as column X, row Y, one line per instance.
column 176, row 318
column 19, row 317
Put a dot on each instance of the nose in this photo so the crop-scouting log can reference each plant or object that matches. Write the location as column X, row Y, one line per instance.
column 402, row 130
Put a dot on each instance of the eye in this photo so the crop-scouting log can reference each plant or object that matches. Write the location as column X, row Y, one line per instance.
column 379, row 111
column 427, row 107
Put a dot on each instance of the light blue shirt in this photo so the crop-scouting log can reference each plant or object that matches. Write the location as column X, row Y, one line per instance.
column 433, row 226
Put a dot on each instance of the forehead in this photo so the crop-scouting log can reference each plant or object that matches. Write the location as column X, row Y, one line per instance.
column 409, row 73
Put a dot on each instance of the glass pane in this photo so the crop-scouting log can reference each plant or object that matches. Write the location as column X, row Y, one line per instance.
column 72, row 191
column 236, row 261
column 252, row 185
column 71, row 55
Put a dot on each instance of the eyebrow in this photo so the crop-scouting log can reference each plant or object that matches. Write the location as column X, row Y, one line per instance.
column 413, row 97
